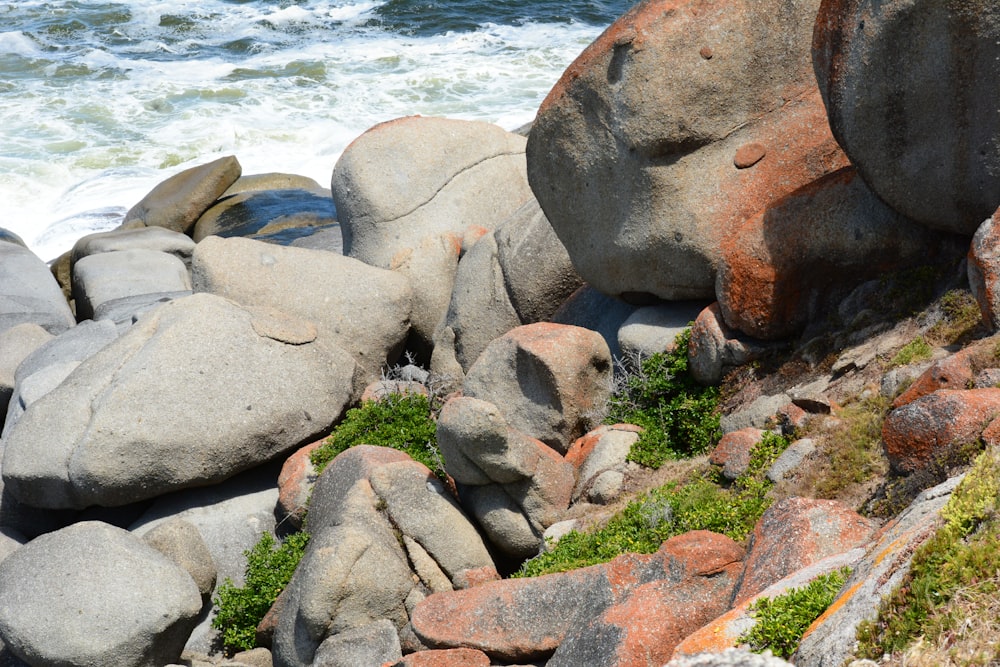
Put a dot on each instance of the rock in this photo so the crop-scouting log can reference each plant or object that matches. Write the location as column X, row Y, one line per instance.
column 528, row 619
column 590, row 309
column 179, row 201
column 926, row 430
column 983, row 268
column 918, row 122
column 452, row 657
column 16, row 343
column 295, row 485
column 7, row 236
column 731, row 657
column 328, row 238
column 599, row 458
column 274, row 181
column 372, row 645
column 92, row 594
column 795, row 533
column 230, row 518
column 733, row 451
column 791, row 459
column 105, row 276
column 715, row 349
column 516, row 486
column 549, row 380
column 415, row 177
column 257, row 380
column 758, row 413
column 180, row 541
column 262, row 214
column 125, row 311
column 255, row 657
column 773, row 279
column 831, row 638
column 952, row 372
column 652, row 329
column 143, row 238
column 359, row 308
column 29, row 292
column 632, row 153
column 723, row 633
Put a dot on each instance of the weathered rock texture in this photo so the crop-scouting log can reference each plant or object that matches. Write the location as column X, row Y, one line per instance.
column 910, row 87
column 639, row 156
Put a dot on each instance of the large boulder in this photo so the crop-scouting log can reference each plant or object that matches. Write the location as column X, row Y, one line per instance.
column 283, row 214
column 548, row 380
column 179, row 201
column 773, row 279
column 142, row 238
column 92, row 594
column 910, row 87
column 103, row 277
column 29, row 292
column 16, row 344
column 678, row 123
column 360, row 308
column 131, row 421
column 984, row 269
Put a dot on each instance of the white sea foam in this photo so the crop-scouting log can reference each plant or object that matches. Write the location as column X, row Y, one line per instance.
column 91, row 122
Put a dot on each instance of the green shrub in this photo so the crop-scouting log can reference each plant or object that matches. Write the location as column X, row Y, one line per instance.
column 240, row 609
column 783, row 619
column 679, row 416
column 400, row 421
column 646, row 522
column 917, row 349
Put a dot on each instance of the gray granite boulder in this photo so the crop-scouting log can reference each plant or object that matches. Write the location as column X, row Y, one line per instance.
column 106, row 276
column 673, row 127
column 94, row 595
column 590, row 309
column 17, row 343
column 143, row 238
column 372, row 645
column 550, row 381
column 179, row 201
column 984, row 270
column 181, row 542
column 360, row 308
column 652, row 329
column 263, row 213
column 910, row 87
column 131, row 422
column 29, row 292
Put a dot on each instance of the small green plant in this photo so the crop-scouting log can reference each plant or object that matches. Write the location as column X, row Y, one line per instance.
column 240, row 609
column 916, row 350
column 783, row 619
column 854, row 451
column 679, row 417
column 400, row 421
column 963, row 554
column 960, row 317
column 701, row 504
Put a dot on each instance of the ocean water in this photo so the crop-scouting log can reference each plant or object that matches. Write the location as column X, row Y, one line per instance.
column 100, row 101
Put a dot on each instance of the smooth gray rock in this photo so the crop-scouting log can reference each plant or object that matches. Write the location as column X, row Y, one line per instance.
column 275, row 181
column 258, row 380
column 106, row 276
column 715, row 348
column 372, row 645
column 126, row 310
column 414, row 177
column 179, row 201
column 983, row 270
column 93, row 595
column 261, row 213
column 756, row 414
column 360, row 308
column 16, row 344
column 591, row 309
column 549, row 380
column 180, row 541
column 328, row 238
column 29, row 292
column 652, row 329
column 7, row 236
column 144, row 238
column 791, row 459
column 608, row 455
column 731, row 657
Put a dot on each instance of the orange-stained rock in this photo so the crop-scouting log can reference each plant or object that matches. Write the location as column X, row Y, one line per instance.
column 929, row 427
column 733, row 451
column 454, row 657
column 774, row 278
column 954, row 372
column 583, row 446
column 295, row 482
column 633, row 153
column 795, row 533
column 527, row 619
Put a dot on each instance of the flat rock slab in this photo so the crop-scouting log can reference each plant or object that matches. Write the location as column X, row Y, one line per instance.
column 29, row 292
column 94, row 595
column 194, row 393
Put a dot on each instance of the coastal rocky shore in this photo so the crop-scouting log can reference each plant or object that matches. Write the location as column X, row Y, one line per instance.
column 773, row 172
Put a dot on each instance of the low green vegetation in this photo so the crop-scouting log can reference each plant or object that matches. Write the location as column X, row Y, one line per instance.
column 679, row 417
column 916, row 350
column 854, row 450
column 783, row 619
column 401, row 421
column 240, row 609
column 960, row 318
column 961, row 562
column 701, row 504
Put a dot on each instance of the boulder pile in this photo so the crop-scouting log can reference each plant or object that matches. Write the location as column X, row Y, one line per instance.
column 755, row 168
